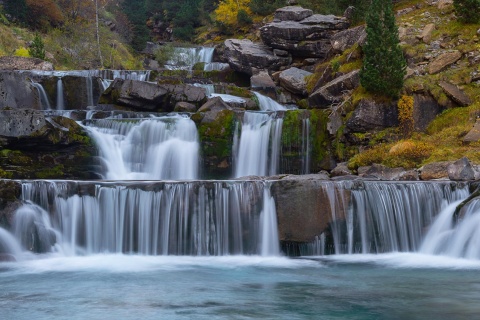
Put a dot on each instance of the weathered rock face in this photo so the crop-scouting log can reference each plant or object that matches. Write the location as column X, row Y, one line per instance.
column 382, row 172
column 308, row 37
column 443, row 61
column 140, row 95
column 425, row 109
column 370, row 115
column 246, row 56
column 474, row 134
column 436, row 170
column 454, row 93
column 334, row 90
column 303, row 209
column 263, row 83
column 345, row 39
column 294, row 80
column 22, row 63
column 34, row 146
column 461, row 170
column 18, row 92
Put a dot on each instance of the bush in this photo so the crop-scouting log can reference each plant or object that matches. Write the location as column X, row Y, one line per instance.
column 37, row 49
column 22, row 52
column 265, row 7
column 468, row 11
column 405, row 115
column 243, row 18
column 164, row 53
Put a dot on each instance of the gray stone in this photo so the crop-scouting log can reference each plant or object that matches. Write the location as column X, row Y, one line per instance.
column 22, row 63
column 292, row 13
column 385, row 173
column 246, row 56
column 425, row 110
column 474, row 134
column 461, row 170
column 334, row 90
column 19, row 123
column 443, row 61
column 454, row 93
column 18, row 92
column 341, row 170
column 294, row 80
column 435, row 170
column 345, row 39
column 183, row 106
column 370, row 115
column 426, row 35
column 262, row 80
column 215, row 103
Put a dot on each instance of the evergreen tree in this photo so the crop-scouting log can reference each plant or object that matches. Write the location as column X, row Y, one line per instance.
column 468, row 11
column 137, row 15
column 37, row 49
column 17, row 9
column 384, row 66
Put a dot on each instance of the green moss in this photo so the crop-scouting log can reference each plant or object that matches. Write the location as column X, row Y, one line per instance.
column 50, row 173
column 217, row 137
column 319, row 136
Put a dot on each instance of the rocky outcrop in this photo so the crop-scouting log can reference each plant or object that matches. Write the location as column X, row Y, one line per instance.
column 456, row 94
column 426, row 35
column 263, row 82
column 443, row 61
column 334, row 90
column 435, row 170
column 22, row 63
column 425, row 109
column 246, row 57
column 345, row 39
column 141, row 95
column 341, row 170
column 461, row 170
column 307, row 37
column 38, row 147
column 18, row 92
column 371, row 115
column 294, row 80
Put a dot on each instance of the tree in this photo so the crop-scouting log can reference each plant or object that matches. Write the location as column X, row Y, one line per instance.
column 136, row 13
column 468, row 11
column 384, row 66
column 227, row 11
column 37, row 48
column 17, row 9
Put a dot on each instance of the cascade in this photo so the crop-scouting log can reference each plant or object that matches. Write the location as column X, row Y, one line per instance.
column 268, row 104
column 268, row 225
column 89, row 86
column 306, row 146
column 186, row 58
column 147, row 149
column 43, row 96
column 8, row 244
column 157, row 218
column 60, row 97
column 257, row 148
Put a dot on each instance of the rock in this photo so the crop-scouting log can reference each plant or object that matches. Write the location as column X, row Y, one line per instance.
column 294, row 80
column 454, row 93
column 345, row 39
column 474, row 134
column 340, row 170
column 308, row 177
column 183, row 106
column 309, row 37
column 245, row 56
column 18, row 92
column 371, row 115
column 443, row 61
column 425, row 110
column 435, row 170
column 461, row 170
column 303, row 208
column 292, row 13
column 385, row 173
column 215, row 103
column 333, row 91
column 262, row 81
column 349, row 13
column 444, row 4
column 280, row 53
column 409, row 175
column 21, row 123
column 426, row 35
column 22, row 63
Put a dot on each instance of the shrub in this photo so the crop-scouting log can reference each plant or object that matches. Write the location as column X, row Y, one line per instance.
column 468, row 11
column 405, row 115
column 37, row 48
column 22, row 52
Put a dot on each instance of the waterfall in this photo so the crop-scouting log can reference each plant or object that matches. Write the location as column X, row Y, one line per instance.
column 268, row 104
column 89, row 86
column 148, row 149
column 43, row 96
column 268, row 226
column 460, row 239
column 186, row 58
column 158, row 218
column 258, row 147
column 60, row 98
column 8, row 244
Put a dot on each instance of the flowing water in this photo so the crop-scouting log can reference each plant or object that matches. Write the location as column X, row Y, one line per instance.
column 60, row 96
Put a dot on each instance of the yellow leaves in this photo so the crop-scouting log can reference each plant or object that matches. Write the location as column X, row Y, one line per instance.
column 405, row 114
column 22, row 52
column 227, row 11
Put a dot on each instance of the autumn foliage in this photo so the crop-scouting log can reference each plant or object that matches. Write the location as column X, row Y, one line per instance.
column 227, row 11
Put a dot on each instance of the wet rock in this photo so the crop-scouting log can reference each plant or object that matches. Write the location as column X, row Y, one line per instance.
column 262, row 82
column 245, row 56
column 18, row 92
column 22, row 63
column 334, row 90
column 292, row 13
column 371, row 115
column 435, row 170
column 443, row 61
column 454, row 93
column 294, row 80
column 19, row 123
column 461, row 170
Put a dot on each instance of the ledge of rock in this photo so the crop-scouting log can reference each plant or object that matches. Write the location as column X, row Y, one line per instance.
column 22, row 63
column 454, row 93
column 293, row 80
column 371, row 115
column 334, row 90
column 443, row 61
column 18, row 92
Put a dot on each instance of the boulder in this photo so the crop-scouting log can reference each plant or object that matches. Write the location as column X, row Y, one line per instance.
column 444, row 4
column 345, row 39
column 245, row 56
column 371, row 115
column 292, row 13
column 310, row 37
column 461, row 170
column 334, row 90
column 18, row 92
column 294, row 80
column 425, row 110
column 262, row 82
column 20, row 123
column 340, row 170
column 183, row 106
column 443, row 61
column 474, row 134
column 382, row 172
column 454, row 93
column 215, row 103
column 22, row 63
column 435, row 170
column 426, row 35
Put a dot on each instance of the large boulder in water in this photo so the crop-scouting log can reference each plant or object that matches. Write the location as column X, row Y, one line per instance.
column 308, row 37
column 246, row 57
column 18, row 92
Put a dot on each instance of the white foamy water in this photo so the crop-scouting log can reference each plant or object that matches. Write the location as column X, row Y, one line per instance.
column 268, row 104
column 150, row 149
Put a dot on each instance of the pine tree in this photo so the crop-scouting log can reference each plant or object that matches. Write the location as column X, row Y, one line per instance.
column 37, row 49
column 384, row 66
column 468, row 11
column 137, row 15
column 17, row 9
